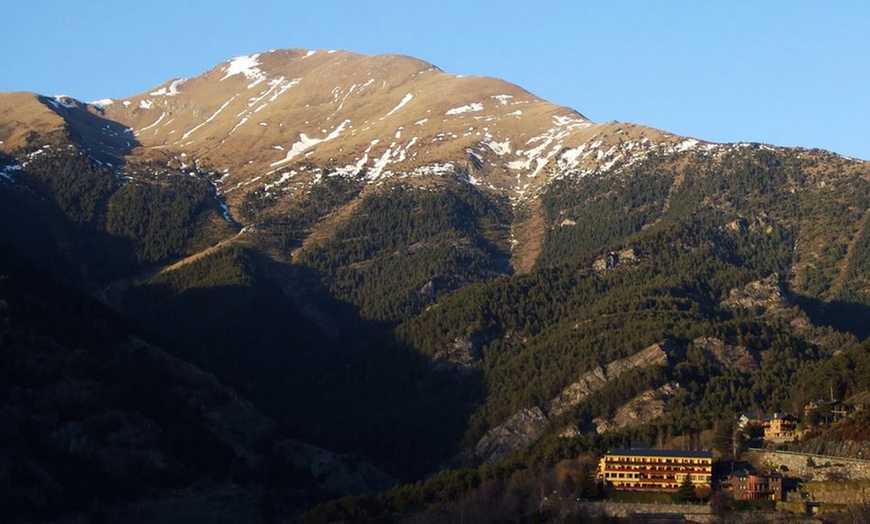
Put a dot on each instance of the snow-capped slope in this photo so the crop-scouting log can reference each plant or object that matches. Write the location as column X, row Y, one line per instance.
column 270, row 125
column 263, row 117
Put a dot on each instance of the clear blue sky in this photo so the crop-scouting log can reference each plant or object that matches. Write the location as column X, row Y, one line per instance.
column 785, row 72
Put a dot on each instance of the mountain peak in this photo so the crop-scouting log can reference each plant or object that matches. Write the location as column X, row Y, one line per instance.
column 262, row 119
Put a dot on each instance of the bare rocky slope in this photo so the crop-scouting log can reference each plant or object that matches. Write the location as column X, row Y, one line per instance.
column 272, row 115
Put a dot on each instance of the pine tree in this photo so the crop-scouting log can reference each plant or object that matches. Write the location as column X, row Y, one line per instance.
column 687, row 490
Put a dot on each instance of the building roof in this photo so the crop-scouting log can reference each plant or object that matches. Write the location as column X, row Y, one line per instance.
column 742, row 473
column 676, row 453
column 754, row 417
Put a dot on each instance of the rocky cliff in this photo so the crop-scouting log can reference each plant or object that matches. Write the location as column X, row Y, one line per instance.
column 528, row 425
column 598, row 378
column 642, row 409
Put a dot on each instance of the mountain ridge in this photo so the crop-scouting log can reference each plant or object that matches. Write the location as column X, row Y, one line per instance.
column 273, row 109
column 266, row 127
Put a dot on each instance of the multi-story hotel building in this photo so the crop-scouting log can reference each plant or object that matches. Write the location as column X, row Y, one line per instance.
column 655, row 469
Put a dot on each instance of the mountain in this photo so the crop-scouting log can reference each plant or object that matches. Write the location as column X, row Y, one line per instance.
column 357, row 116
column 418, row 271
column 269, row 124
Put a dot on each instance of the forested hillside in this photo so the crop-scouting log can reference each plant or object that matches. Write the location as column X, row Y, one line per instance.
column 531, row 296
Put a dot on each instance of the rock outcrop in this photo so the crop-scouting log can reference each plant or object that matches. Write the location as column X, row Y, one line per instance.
column 731, row 356
column 522, row 429
column 765, row 295
column 461, row 354
column 628, row 256
column 341, row 474
column 596, row 379
column 768, row 298
column 642, row 409
column 759, row 224
column 528, row 425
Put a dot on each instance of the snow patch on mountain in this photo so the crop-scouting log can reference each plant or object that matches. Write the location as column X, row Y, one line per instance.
column 62, row 101
column 305, row 143
column 499, row 148
column 159, row 119
column 407, row 98
column 219, row 197
column 170, row 90
column 209, row 119
column 686, row 145
column 469, row 108
column 282, row 179
column 248, row 66
column 241, row 122
column 550, row 143
column 503, row 99
column 570, row 158
column 281, row 86
column 38, row 152
column 471, row 179
column 378, row 169
column 276, row 87
column 6, row 172
column 570, row 121
column 435, row 169
column 394, row 154
column 336, row 94
column 353, row 169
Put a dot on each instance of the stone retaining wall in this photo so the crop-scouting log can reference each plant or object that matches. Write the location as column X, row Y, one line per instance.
column 700, row 513
column 826, row 467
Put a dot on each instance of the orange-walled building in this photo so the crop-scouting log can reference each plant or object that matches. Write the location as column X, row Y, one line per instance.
column 655, row 469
